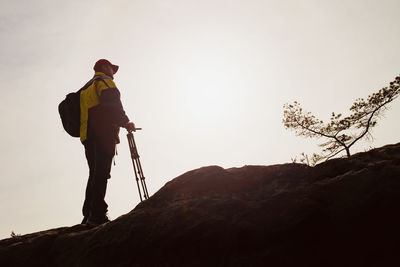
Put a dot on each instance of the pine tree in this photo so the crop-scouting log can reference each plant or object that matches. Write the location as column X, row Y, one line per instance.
column 341, row 133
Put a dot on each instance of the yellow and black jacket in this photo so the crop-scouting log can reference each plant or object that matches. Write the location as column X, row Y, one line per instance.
column 102, row 113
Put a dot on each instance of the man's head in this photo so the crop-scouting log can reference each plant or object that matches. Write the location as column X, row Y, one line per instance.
column 105, row 66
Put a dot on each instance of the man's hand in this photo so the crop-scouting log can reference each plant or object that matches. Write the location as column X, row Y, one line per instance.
column 130, row 127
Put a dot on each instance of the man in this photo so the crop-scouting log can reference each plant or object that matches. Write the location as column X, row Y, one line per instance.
column 102, row 115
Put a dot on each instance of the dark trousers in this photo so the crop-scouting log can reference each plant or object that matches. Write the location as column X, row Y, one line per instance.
column 99, row 160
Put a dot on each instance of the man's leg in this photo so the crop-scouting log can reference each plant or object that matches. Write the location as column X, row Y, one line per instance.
column 90, row 157
column 103, row 161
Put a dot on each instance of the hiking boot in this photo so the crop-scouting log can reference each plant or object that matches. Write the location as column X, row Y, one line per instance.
column 94, row 221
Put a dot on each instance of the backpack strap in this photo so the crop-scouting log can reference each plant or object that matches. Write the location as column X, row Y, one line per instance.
column 102, row 78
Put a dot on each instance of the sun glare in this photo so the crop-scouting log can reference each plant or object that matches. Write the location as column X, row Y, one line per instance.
column 206, row 99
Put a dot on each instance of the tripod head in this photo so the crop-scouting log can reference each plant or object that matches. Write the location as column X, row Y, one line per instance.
column 136, row 129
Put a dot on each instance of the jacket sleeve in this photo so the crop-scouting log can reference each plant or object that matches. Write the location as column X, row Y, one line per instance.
column 110, row 101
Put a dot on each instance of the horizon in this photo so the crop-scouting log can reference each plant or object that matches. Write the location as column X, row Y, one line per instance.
column 206, row 81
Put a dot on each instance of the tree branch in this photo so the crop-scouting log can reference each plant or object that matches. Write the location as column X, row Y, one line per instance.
column 334, row 154
column 369, row 122
column 313, row 131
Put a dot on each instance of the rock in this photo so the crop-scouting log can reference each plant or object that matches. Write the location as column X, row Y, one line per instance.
column 343, row 212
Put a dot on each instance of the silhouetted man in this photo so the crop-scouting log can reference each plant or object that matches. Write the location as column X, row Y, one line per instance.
column 102, row 115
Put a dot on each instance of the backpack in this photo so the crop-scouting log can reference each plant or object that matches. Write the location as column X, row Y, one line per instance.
column 70, row 109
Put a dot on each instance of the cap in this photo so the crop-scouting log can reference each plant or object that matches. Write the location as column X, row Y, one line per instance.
column 103, row 61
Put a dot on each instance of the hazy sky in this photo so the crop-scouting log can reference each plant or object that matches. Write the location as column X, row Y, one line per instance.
column 206, row 80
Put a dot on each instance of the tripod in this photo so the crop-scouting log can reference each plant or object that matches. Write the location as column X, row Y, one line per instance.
column 137, row 167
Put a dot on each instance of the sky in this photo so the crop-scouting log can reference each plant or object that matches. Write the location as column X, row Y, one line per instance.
column 206, row 80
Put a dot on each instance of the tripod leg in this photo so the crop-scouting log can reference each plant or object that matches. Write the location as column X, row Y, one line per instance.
column 142, row 179
column 134, row 155
column 137, row 166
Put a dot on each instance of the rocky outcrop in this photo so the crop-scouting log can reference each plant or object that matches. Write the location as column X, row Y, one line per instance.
column 344, row 212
